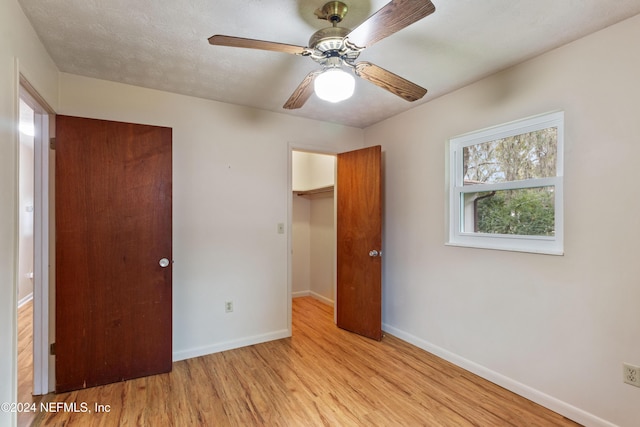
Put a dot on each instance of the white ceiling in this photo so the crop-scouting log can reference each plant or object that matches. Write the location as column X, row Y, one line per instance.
column 163, row 45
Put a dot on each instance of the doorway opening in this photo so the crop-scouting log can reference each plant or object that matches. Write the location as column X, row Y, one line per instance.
column 356, row 263
column 25, row 250
column 313, row 233
column 32, row 286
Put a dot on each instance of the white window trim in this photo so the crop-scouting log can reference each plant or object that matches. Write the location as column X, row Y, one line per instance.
column 552, row 245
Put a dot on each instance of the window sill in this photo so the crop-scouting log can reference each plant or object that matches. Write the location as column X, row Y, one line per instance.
column 508, row 247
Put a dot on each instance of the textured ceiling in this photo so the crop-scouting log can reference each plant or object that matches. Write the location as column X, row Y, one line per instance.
column 163, row 45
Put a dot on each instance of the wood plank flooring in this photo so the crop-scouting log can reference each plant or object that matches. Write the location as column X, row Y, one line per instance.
column 25, row 362
column 322, row 376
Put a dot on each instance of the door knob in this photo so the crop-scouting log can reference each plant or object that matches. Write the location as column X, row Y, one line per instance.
column 374, row 253
column 164, row 262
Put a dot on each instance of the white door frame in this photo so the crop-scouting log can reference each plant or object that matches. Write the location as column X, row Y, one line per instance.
column 42, row 120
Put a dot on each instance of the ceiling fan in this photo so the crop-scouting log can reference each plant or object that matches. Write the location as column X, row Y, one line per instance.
column 336, row 48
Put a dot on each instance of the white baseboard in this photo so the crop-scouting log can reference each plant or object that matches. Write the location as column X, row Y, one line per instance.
column 300, row 294
column 25, row 300
column 229, row 345
column 312, row 294
column 550, row 402
column 322, row 299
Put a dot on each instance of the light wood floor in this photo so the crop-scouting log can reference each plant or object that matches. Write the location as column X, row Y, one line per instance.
column 322, row 376
column 25, row 362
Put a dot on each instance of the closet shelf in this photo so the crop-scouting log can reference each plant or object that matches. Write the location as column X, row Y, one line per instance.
column 320, row 190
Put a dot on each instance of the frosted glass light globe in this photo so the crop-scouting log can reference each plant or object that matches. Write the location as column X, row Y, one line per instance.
column 334, row 85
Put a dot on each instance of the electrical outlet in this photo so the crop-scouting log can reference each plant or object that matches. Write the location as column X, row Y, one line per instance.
column 631, row 374
column 228, row 306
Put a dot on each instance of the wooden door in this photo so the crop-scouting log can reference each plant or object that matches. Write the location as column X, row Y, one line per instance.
column 113, row 226
column 359, row 245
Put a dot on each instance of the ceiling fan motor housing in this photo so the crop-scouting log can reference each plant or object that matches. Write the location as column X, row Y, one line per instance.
column 329, row 42
column 328, row 39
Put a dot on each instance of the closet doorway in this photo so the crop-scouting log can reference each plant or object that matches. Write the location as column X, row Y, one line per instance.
column 335, row 254
column 313, row 243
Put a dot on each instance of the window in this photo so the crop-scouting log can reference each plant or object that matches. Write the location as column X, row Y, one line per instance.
column 505, row 186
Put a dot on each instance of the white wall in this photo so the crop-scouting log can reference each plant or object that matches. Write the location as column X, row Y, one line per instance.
column 230, row 190
column 555, row 328
column 313, row 256
column 312, row 170
column 300, row 246
column 25, row 215
column 20, row 51
column 323, row 247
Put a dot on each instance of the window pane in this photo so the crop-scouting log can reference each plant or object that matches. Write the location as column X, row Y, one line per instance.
column 525, row 156
column 524, row 212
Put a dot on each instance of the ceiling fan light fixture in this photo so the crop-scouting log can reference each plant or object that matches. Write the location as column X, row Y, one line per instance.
column 334, row 85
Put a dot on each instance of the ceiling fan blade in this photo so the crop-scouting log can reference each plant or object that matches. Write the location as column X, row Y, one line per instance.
column 302, row 92
column 231, row 41
column 389, row 81
column 394, row 16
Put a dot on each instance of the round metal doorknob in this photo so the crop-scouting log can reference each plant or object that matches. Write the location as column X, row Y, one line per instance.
column 164, row 262
column 373, row 253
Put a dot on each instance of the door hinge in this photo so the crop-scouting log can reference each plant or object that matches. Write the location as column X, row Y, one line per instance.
column 52, row 143
column 52, row 349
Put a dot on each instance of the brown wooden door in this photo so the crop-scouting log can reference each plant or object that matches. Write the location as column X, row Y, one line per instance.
column 113, row 226
column 359, row 232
